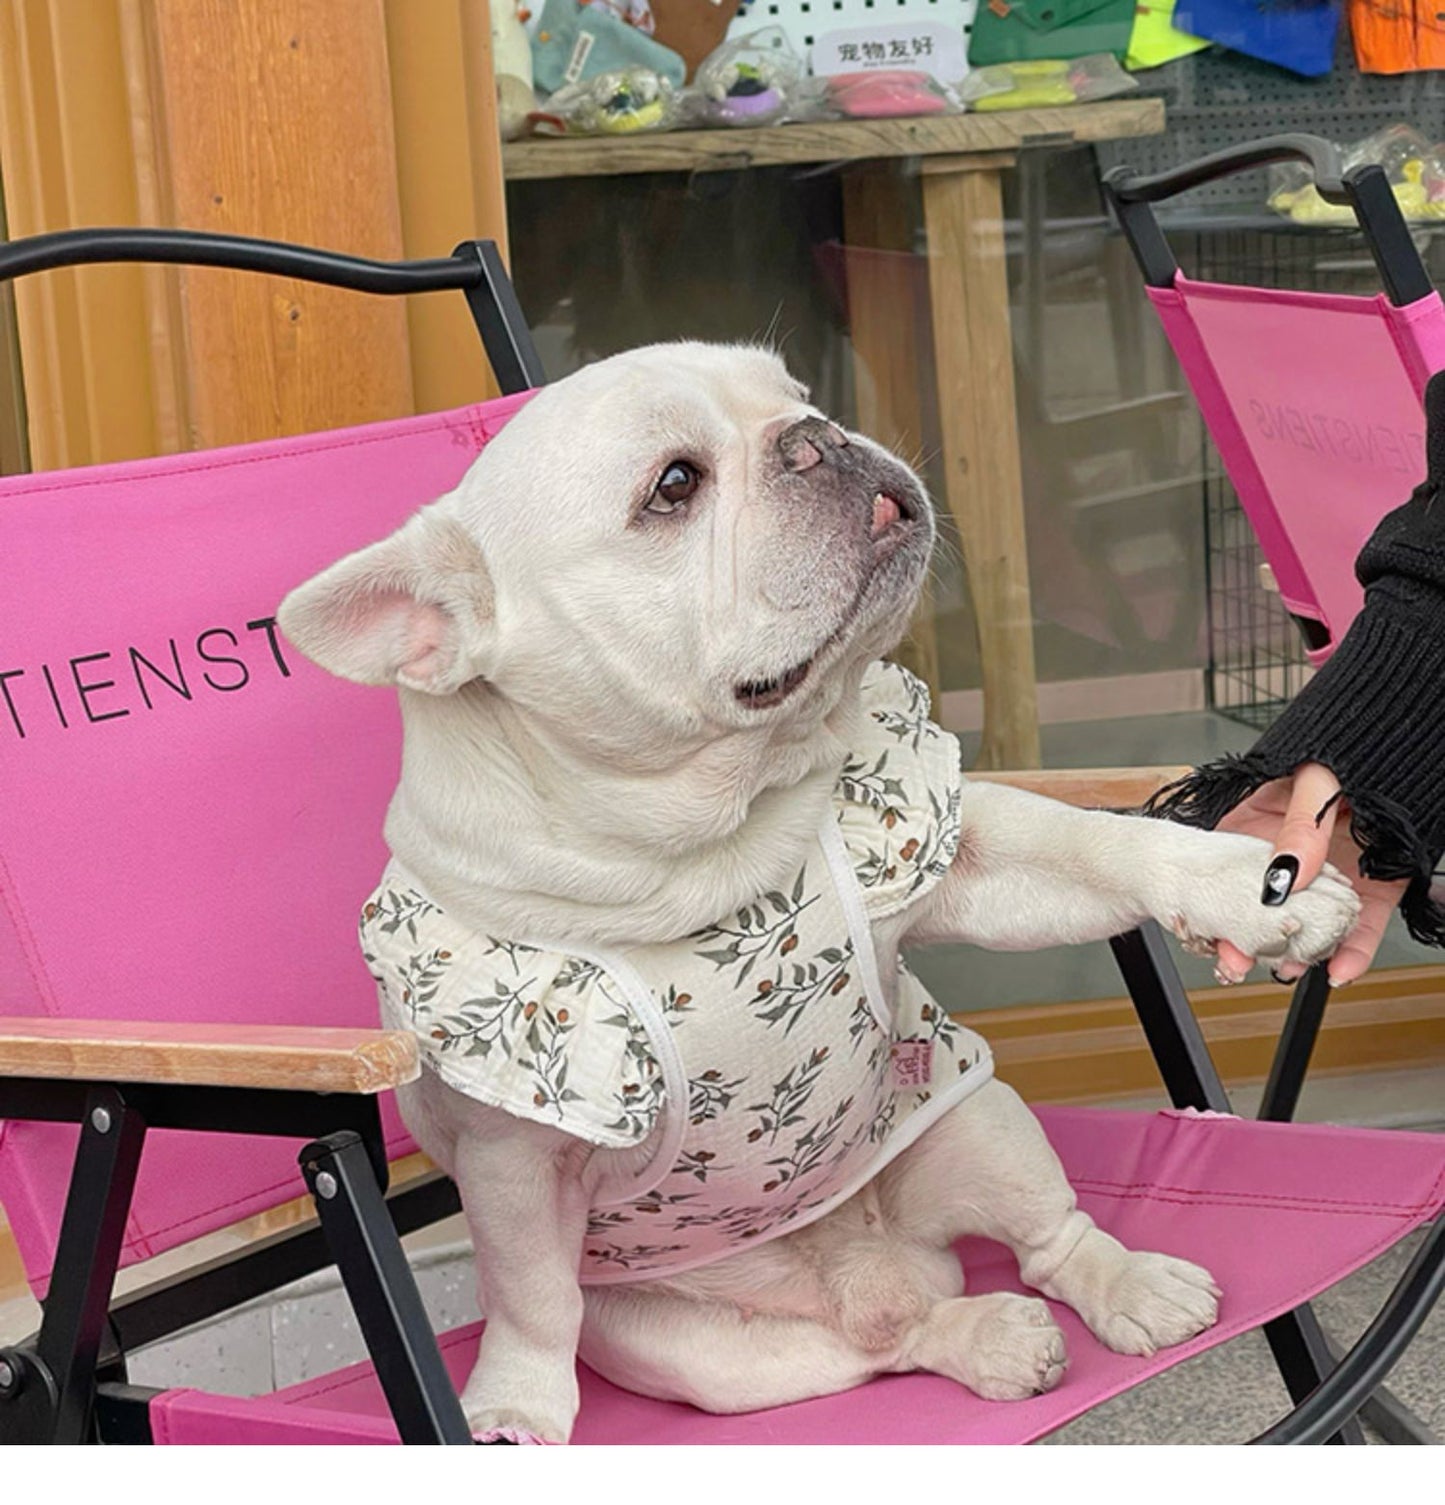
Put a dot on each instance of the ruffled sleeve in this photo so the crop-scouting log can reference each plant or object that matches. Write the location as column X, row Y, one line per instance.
column 545, row 1036
column 898, row 794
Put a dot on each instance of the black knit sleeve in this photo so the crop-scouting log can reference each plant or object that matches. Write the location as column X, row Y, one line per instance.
column 1375, row 713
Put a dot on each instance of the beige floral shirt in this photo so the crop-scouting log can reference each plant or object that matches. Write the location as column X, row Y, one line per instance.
column 762, row 1058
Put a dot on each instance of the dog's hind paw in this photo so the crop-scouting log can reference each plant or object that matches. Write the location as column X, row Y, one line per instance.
column 1154, row 1301
column 515, row 1436
column 510, row 1427
column 1002, row 1346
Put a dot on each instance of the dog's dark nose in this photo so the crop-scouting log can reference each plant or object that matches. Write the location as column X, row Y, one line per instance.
column 809, row 442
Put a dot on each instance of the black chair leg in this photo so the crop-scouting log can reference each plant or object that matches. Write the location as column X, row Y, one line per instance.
column 343, row 1181
column 1389, row 1415
column 1384, row 1410
column 1190, row 1078
column 1175, row 1039
column 1296, row 1045
column 47, row 1390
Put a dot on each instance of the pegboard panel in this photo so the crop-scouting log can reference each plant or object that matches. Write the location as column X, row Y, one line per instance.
column 1217, row 99
column 802, row 20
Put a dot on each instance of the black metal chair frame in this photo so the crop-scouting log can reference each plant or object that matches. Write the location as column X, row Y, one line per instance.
column 68, row 1383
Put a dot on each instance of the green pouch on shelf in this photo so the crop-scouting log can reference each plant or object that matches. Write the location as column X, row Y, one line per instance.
column 573, row 43
column 1012, row 31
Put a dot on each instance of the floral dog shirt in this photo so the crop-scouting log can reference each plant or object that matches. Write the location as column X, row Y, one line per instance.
column 761, row 1056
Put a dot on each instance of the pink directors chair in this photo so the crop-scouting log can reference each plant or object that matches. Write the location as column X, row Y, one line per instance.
column 192, row 816
column 1315, row 401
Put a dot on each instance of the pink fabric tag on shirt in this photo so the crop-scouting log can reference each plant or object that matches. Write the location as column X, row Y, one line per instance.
column 912, row 1063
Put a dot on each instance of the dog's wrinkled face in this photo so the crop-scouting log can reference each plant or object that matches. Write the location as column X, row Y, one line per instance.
column 671, row 543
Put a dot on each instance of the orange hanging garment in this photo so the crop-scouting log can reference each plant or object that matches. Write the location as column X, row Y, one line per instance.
column 1398, row 36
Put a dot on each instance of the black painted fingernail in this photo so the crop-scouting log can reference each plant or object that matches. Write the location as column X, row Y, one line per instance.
column 1279, row 878
column 1284, row 982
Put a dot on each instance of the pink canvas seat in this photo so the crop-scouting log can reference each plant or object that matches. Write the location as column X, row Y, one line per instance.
column 1218, row 1190
column 192, row 815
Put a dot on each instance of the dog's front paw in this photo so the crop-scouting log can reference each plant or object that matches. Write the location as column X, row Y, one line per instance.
column 1221, row 900
column 1151, row 1301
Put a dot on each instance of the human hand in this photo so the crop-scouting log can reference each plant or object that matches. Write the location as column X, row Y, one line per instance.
column 1286, row 813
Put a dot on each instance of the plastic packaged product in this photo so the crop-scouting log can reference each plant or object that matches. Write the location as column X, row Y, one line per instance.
column 512, row 65
column 1392, row 147
column 1390, row 37
column 1435, row 182
column 1305, row 206
column 1415, row 169
column 619, row 103
column 1295, row 34
column 1011, row 31
column 1034, row 83
column 751, row 80
column 880, row 93
column 1156, row 40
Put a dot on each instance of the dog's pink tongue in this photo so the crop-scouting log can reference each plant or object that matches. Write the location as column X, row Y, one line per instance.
column 885, row 513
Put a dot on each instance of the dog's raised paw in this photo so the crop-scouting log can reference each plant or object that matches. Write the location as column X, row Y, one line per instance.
column 1222, row 899
column 1153, row 1302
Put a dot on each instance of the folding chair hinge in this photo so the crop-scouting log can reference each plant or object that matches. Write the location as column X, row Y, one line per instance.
column 318, row 1155
column 499, row 319
column 29, row 1398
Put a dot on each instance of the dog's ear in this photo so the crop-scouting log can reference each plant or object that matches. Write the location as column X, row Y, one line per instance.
column 414, row 610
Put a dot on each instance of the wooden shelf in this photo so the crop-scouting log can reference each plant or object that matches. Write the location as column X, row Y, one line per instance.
column 1006, row 132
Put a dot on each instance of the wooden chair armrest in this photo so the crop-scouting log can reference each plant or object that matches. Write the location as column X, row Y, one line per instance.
column 1095, row 788
column 209, row 1055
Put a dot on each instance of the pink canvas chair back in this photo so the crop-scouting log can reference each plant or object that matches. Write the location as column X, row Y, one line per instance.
column 192, row 812
column 1315, row 402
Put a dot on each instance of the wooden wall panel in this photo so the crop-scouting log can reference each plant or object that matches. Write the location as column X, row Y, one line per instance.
column 274, row 118
column 361, row 125
column 449, row 177
column 66, row 161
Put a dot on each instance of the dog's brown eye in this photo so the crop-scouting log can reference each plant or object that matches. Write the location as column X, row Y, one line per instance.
column 679, row 481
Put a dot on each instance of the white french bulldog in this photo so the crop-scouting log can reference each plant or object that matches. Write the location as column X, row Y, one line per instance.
column 662, row 830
